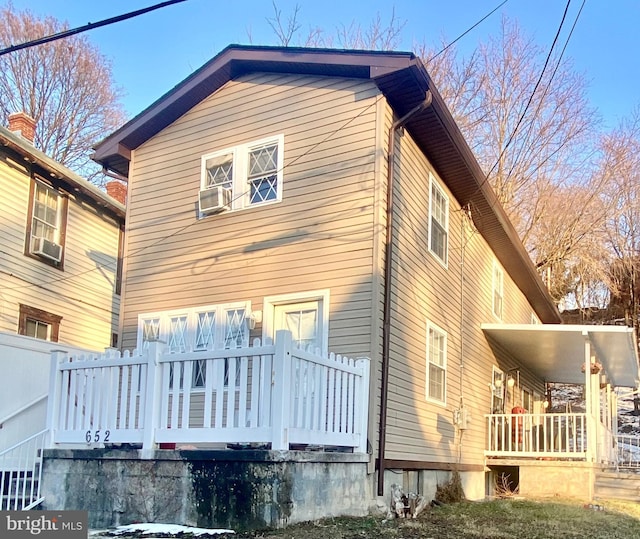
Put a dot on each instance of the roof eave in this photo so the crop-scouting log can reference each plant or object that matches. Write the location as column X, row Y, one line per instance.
column 234, row 61
column 402, row 78
column 24, row 148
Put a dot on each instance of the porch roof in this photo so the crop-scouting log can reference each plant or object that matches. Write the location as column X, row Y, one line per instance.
column 555, row 352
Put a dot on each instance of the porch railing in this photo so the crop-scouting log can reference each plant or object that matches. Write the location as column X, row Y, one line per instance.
column 537, row 435
column 628, row 450
column 21, row 472
column 265, row 394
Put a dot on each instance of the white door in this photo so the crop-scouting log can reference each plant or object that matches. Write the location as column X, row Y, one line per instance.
column 303, row 320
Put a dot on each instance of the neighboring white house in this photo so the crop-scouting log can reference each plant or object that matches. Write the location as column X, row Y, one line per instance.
column 61, row 247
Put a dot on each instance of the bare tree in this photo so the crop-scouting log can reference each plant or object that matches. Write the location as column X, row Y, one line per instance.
column 620, row 168
column 378, row 35
column 284, row 30
column 65, row 85
column 535, row 138
column 535, row 142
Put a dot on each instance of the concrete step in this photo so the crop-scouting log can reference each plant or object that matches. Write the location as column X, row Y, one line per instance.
column 617, row 485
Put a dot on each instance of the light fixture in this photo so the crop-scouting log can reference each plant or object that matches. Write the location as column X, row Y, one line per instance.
column 255, row 318
column 511, row 382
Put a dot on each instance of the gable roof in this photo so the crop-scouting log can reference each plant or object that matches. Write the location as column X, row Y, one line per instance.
column 52, row 168
column 404, row 81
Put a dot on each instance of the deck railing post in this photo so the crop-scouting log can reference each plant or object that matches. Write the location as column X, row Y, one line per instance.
column 361, row 399
column 152, row 399
column 281, row 391
column 54, row 400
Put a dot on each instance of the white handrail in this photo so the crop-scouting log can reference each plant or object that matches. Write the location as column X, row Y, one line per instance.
column 21, row 473
column 22, row 442
column 22, row 409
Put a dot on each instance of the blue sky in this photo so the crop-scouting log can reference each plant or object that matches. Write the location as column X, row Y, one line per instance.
column 154, row 52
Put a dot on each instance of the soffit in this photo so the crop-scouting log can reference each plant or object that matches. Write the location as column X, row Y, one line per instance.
column 556, row 352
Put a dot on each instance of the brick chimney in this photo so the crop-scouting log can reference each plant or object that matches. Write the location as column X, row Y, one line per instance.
column 117, row 190
column 23, row 124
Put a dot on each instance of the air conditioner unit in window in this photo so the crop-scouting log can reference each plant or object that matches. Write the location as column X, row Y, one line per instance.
column 214, row 199
column 46, row 248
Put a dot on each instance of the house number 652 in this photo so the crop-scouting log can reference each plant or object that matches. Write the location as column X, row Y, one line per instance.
column 97, row 436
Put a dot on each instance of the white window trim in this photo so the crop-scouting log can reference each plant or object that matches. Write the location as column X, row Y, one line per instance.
column 497, row 269
column 240, row 190
column 192, row 324
column 433, row 182
column 191, row 313
column 435, row 327
column 271, row 302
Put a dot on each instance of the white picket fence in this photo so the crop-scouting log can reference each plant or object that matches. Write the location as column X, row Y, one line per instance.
column 265, row 394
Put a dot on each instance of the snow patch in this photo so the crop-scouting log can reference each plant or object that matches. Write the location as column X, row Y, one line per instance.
column 148, row 530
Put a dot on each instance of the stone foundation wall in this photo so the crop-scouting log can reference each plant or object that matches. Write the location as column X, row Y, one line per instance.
column 240, row 490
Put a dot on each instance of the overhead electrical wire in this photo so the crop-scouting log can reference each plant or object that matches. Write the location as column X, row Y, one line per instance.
column 526, row 108
column 467, row 31
column 546, row 90
column 85, row 28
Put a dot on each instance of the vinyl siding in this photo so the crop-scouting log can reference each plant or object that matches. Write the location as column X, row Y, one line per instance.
column 458, row 299
column 319, row 237
column 83, row 294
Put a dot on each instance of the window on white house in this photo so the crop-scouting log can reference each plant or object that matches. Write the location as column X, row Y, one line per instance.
column 436, row 363
column 527, row 400
column 248, row 174
column 497, row 391
column 222, row 326
column 498, row 290
column 45, row 236
column 438, row 221
column 37, row 323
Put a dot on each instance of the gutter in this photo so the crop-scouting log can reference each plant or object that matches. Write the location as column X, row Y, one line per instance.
column 386, row 315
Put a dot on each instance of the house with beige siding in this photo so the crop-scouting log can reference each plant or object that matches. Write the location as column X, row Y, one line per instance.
column 327, row 198
column 60, row 245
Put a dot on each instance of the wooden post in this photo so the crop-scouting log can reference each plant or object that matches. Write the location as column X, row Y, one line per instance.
column 362, row 402
column 281, row 391
column 54, row 399
column 152, row 400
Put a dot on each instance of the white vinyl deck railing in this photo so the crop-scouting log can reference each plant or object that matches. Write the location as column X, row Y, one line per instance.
column 265, row 394
column 537, row 435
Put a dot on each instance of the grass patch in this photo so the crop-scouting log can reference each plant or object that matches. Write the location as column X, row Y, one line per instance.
column 497, row 519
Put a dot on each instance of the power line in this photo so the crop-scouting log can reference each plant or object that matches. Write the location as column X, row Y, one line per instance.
column 546, row 90
column 85, row 28
column 526, row 108
column 467, row 31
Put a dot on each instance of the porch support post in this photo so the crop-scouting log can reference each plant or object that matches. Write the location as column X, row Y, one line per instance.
column 281, row 391
column 152, row 400
column 591, row 431
column 54, row 400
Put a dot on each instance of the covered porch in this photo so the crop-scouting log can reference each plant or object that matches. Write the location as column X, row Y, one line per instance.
column 600, row 358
